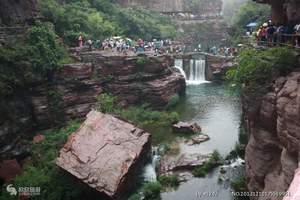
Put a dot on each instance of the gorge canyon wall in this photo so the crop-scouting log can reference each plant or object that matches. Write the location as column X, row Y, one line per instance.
column 273, row 123
column 75, row 89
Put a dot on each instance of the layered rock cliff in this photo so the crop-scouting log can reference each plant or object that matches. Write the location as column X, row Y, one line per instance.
column 14, row 12
column 273, row 123
column 132, row 80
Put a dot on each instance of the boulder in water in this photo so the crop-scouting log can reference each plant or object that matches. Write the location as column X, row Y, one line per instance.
column 197, row 139
column 185, row 127
column 182, row 162
column 105, row 153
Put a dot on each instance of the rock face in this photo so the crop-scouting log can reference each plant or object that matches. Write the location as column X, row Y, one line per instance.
column 17, row 12
column 272, row 154
column 76, row 89
column 182, row 162
column 154, row 82
column 284, row 11
column 105, row 153
column 197, row 139
column 9, row 169
column 185, row 127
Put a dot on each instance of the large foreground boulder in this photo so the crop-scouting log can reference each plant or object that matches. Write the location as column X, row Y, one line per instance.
column 105, row 153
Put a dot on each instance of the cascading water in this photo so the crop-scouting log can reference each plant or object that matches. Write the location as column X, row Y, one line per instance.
column 150, row 169
column 179, row 65
column 196, row 73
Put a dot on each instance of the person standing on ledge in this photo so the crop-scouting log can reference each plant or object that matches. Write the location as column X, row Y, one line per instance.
column 80, row 41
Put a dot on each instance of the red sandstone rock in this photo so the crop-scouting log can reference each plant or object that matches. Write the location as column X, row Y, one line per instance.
column 197, row 139
column 9, row 169
column 274, row 126
column 38, row 138
column 75, row 71
column 105, row 153
column 185, row 127
column 182, row 162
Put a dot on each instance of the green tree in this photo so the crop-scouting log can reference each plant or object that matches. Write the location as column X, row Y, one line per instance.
column 44, row 50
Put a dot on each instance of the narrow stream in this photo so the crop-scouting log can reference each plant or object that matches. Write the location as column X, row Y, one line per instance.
column 218, row 111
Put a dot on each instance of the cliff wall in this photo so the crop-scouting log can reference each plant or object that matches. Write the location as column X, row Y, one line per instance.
column 75, row 89
column 273, row 123
column 14, row 12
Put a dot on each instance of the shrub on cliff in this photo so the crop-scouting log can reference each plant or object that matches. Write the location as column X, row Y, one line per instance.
column 173, row 101
column 208, row 166
column 35, row 57
column 45, row 51
column 42, row 171
column 151, row 191
column 258, row 67
column 105, row 103
column 99, row 19
column 169, row 181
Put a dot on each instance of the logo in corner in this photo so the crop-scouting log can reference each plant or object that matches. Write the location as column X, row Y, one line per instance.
column 11, row 190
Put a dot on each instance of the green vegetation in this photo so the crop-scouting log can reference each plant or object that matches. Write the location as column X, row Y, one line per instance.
column 42, row 51
column 45, row 52
column 142, row 61
column 54, row 183
column 173, row 101
column 149, row 191
column 99, row 19
column 213, row 162
column 169, row 181
column 55, row 104
column 144, row 115
column 248, row 12
column 239, row 185
column 171, row 148
column 38, row 56
column 258, row 67
column 105, row 103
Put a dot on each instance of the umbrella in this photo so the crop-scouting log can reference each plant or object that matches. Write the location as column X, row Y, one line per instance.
column 252, row 24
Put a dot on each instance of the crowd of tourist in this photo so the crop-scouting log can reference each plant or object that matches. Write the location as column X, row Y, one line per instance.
column 126, row 45
column 223, row 51
column 271, row 34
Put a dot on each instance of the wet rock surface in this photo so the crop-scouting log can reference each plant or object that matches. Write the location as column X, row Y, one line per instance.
column 197, row 139
column 9, row 169
column 182, row 162
column 186, row 127
column 274, row 128
column 105, row 153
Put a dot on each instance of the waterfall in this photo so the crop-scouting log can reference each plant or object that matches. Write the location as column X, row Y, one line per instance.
column 179, row 66
column 196, row 73
column 150, row 168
